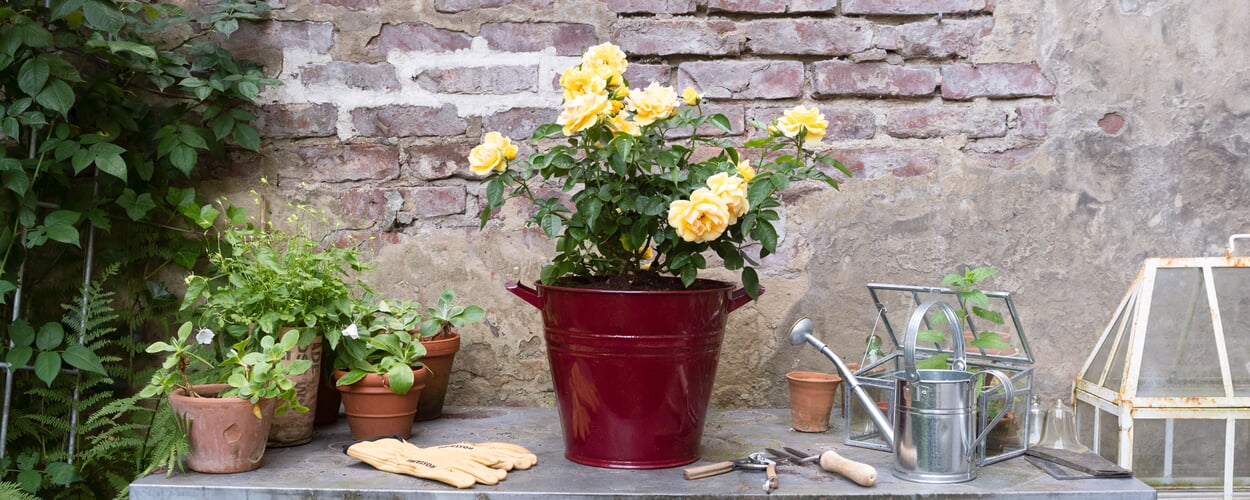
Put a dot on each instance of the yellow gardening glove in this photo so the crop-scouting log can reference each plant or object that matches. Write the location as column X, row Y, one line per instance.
column 504, row 456
column 391, row 455
column 457, row 462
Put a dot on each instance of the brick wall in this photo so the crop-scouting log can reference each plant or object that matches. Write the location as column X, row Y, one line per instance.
column 383, row 99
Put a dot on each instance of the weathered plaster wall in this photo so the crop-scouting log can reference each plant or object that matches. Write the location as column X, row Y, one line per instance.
column 1059, row 141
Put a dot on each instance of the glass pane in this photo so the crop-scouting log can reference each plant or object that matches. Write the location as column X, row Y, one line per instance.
column 1232, row 287
column 1094, row 373
column 1109, row 436
column 1179, row 356
column 1115, row 376
column 1241, row 462
column 1084, row 423
column 899, row 305
column 1190, row 453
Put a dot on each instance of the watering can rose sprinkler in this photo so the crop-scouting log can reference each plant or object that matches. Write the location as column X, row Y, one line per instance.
column 934, row 410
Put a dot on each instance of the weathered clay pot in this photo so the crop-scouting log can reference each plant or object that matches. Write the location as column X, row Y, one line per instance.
column 811, row 399
column 439, row 355
column 224, row 434
column 374, row 410
column 295, row 428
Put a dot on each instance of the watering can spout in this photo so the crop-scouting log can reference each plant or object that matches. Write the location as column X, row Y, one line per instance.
column 525, row 293
column 800, row 333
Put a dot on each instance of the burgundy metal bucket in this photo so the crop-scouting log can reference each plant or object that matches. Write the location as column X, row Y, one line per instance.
column 633, row 370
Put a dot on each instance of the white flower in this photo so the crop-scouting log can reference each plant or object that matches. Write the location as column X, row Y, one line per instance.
column 351, row 331
column 204, row 336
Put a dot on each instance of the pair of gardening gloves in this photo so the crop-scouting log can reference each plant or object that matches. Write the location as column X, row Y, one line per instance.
column 460, row 464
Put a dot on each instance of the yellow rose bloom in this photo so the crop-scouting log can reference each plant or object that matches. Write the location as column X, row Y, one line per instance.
column 746, row 171
column 799, row 118
column 702, row 218
column 654, row 103
column 492, row 154
column 606, row 61
column 691, row 96
column 582, row 112
column 732, row 191
column 577, row 81
column 620, row 122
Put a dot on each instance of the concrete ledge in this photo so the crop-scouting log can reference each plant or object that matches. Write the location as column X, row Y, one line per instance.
column 320, row 469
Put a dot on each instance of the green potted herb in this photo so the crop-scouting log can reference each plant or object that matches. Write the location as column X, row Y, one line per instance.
column 227, row 424
column 442, row 341
column 266, row 278
column 378, row 368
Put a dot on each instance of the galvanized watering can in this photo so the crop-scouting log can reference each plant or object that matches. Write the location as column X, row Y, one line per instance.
column 934, row 426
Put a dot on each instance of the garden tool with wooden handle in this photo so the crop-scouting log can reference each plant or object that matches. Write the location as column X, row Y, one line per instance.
column 400, row 457
column 859, row 472
column 503, row 456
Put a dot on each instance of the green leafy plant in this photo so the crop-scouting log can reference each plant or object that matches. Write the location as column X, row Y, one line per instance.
column 972, row 302
column 255, row 368
column 642, row 205
column 268, row 278
column 383, row 340
column 446, row 317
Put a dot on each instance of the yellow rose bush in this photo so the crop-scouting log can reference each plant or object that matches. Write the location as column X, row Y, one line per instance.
column 639, row 206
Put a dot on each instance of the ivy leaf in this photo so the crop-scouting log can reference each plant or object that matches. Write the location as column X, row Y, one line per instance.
column 81, row 159
column 16, row 181
column 50, row 336
column 30, row 480
column 56, row 96
column 246, row 136
column 21, row 333
column 183, row 158
column 63, row 233
column 78, row 356
column 113, row 165
column 248, row 90
column 19, row 356
column 140, row 49
column 47, row 366
column 61, row 217
column 33, row 76
column 62, row 474
column 137, row 205
column 103, row 16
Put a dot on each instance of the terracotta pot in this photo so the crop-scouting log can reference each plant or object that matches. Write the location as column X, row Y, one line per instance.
column 439, row 355
column 374, row 410
column 329, row 401
column 633, row 370
column 224, row 435
column 295, row 428
column 811, row 400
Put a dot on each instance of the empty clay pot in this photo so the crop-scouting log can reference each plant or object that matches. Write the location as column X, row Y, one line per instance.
column 811, row 400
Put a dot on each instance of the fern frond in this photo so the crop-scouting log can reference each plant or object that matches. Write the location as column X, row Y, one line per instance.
column 12, row 491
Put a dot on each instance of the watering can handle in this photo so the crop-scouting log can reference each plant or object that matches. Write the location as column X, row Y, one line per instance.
column 1010, row 391
column 525, row 293
column 958, row 361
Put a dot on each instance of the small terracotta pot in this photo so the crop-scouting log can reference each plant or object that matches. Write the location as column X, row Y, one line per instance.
column 224, row 435
column 439, row 355
column 811, row 400
column 373, row 410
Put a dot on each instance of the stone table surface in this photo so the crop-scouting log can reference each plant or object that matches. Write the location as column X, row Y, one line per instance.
column 320, row 469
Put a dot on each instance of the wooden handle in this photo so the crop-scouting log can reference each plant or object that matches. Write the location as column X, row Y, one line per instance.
column 772, row 478
column 862, row 473
column 703, row 471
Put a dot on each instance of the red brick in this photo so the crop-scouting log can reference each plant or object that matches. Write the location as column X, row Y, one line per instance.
column 651, row 6
column 416, row 37
column 661, row 37
column 743, row 79
column 569, row 39
column 354, row 5
column 813, row 5
column 519, row 123
column 874, row 163
column 351, row 162
column 407, row 121
column 467, row 5
column 480, row 80
column 948, row 38
column 362, row 76
column 364, row 203
column 1032, row 121
column 1006, row 160
column 733, row 112
column 289, row 121
column 828, row 37
column 966, row 81
column 837, row 78
column 752, row 6
column 1111, row 123
column 845, row 123
column 942, row 121
column 308, row 35
column 912, row 6
column 887, row 37
column 434, row 201
column 437, row 161
column 641, row 75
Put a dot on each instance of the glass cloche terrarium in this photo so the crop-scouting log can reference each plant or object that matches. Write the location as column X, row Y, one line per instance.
column 1166, row 391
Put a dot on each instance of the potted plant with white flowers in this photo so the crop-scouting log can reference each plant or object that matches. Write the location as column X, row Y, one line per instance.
column 630, row 328
column 378, row 368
